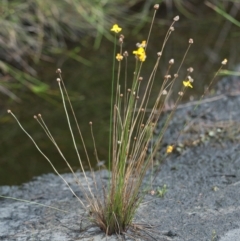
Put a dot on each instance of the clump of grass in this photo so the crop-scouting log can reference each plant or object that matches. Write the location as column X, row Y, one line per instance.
column 131, row 150
column 131, row 133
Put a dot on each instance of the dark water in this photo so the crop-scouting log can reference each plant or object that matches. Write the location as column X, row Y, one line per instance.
column 90, row 86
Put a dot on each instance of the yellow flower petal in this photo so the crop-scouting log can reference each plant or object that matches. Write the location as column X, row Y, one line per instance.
column 142, row 57
column 116, row 28
column 140, row 53
column 187, row 84
column 144, row 43
column 119, row 57
column 169, row 149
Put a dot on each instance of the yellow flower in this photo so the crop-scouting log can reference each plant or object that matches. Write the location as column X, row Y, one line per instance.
column 142, row 57
column 169, row 149
column 119, row 57
column 187, row 84
column 116, row 28
column 144, row 43
column 140, row 53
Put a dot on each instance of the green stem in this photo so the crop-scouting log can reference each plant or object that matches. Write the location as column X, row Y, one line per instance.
column 111, row 112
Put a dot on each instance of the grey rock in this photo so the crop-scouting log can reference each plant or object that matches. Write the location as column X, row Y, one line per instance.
column 202, row 200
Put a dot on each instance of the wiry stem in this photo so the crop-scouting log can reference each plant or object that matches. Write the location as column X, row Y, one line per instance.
column 55, row 170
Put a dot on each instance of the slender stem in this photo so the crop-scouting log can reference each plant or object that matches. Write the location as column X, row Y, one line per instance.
column 111, row 111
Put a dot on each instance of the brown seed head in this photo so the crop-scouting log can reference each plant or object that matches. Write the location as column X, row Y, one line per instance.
column 164, row 92
column 176, row 18
column 171, row 61
column 125, row 54
column 190, row 79
column 58, row 71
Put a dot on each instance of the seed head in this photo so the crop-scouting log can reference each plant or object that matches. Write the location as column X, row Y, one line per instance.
column 121, row 36
column 190, row 41
column 176, row 18
column 171, row 28
column 58, row 71
column 171, row 61
column 39, row 115
column 159, row 54
column 190, row 79
column 164, row 92
column 138, row 45
column 9, row 111
column 35, row 117
column 175, row 75
column 190, row 70
column 120, row 40
column 58, row 80
column 152, row 192
column 90, row 123
column 167, row 76
column 140, row 78
column 156, row 6
column 180, row 93
column 125, row 54
column 224, row 62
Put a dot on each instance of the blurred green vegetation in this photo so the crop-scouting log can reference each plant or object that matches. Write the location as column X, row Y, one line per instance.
column 35, row 30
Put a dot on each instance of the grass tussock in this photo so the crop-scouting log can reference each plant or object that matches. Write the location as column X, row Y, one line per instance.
column 131, row 150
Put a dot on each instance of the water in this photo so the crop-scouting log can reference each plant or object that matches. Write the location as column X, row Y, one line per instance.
column 90, row 87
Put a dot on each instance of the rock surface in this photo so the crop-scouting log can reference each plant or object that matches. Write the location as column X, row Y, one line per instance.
column 203, row 186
